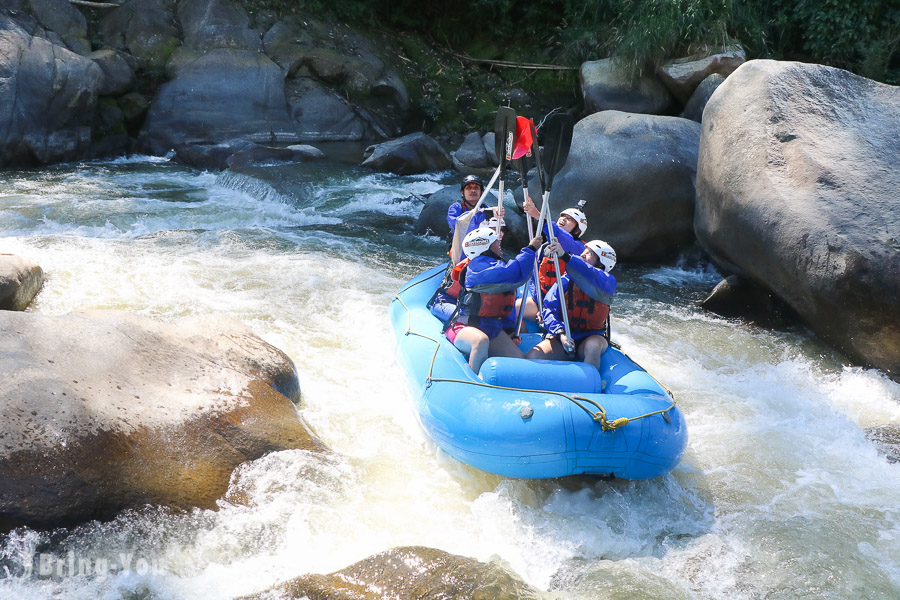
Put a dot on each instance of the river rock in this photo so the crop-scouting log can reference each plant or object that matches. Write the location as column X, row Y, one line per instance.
column 736, row 297
column 209, row 24
column 408, row 155
column 693, row 110
column 682, row 76
column 604, row 88
column 409, row 572
column 241, row 153
column 20, row 281
column 105, row 410
column 887, row 440
column 118, row 71
column 490, row 148
column 46, row 112
column 146, row 29
column 472, row 157
column 318, row 113
column 215, row 96
column 433, row 218
column 338, row 59
column 637, row 174
column 60, row 17
column 797, row 191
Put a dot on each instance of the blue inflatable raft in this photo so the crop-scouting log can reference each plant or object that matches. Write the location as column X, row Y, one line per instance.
column 534, row 419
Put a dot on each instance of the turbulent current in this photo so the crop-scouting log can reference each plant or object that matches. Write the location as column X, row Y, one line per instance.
column 780, row 494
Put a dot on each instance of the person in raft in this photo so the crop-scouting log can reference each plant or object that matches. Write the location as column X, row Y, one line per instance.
column 588, row 288
column 443, row 303
column 488, row 297
column 568, row 229
column 462, row 218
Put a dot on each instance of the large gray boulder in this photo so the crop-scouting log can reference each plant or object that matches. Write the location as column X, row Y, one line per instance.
column 146, row 29
column 318, row 113
column 104, row 411
column 218, row 95
column 338, row 87
column 637, row 174
column 409, row 572
column 208, row 24
column 45, row 112
column 20, row 281
column 605, row 88
column 63, row 19
column 472, row 157
column 433, row 218
column 118, row 71
column 682, row 76
column 222, row 86
column 408, row 155
column 693, row 110
column 797, row 190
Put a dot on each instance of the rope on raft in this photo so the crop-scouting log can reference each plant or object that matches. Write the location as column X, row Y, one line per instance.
column 599, row 416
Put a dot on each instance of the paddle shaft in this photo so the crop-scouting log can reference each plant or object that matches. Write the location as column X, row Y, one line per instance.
column 521, row 316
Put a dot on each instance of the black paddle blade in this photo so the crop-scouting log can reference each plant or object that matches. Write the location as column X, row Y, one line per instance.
column 504, row 134
column 557, row 140
column 536, row 153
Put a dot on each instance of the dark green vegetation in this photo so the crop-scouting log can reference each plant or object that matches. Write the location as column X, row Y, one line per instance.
column 441, row 38
column 859, row 35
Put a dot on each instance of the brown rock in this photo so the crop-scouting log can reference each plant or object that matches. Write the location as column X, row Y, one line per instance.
column 20, row 281
column 409, row 572
column 104, row 410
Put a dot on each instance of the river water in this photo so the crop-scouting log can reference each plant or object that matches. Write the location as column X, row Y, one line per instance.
column 779, row 496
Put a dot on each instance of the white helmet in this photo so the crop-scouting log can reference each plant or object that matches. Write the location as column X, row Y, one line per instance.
column 479, row 240
column 578, row 217
column 604, row 252
column 494, row 223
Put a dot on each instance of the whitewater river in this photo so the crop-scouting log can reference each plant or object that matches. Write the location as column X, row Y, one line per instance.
column 779, row 496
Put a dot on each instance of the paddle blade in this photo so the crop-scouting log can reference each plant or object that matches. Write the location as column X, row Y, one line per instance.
column 523, row 138
column 557, row 140
column 504, row 134
column 536, row 153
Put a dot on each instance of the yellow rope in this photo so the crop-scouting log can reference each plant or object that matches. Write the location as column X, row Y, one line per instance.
column 599, row 416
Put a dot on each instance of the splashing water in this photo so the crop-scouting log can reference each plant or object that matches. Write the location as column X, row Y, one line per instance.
column 780, row 495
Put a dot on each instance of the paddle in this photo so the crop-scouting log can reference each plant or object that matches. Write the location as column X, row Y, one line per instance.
column 557, row 140
column 523, row 174
column 504, row 139
column 504, row 132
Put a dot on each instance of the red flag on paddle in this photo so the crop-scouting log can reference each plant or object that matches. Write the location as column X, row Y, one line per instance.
column 523, row 138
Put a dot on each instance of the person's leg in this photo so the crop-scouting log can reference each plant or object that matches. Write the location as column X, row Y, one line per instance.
column 503, row 345
column 549, row 349
column 475, row 343
column 443, row 310
column 591, row 349
column 531, row 309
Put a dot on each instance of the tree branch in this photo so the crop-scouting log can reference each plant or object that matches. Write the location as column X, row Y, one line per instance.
column 512, row 65
column 94, row 4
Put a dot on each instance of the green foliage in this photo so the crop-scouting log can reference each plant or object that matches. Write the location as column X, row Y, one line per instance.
column 860, row 35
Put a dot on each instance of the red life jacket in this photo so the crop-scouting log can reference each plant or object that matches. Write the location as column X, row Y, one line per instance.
column 496, row 306
column 547, row 275
column 457, row 277
column 454, row 279
column 585, row 313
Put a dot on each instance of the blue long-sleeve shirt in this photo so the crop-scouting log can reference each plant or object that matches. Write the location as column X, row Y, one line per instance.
column 593, row 281
column 457, row 210
column 569, row 244
column 487, row 274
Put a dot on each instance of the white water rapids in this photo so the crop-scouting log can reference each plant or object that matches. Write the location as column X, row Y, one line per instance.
column 779, row 496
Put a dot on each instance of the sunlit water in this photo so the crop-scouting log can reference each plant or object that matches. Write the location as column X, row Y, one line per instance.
column 779, row 495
